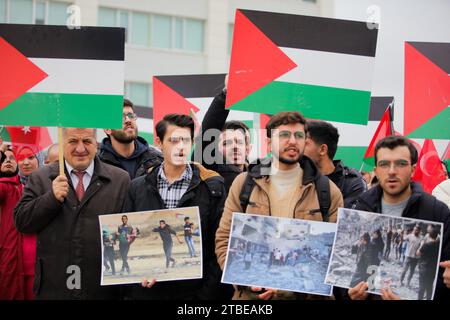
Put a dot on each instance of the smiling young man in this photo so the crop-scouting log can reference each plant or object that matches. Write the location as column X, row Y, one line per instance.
column 397, row 195
column 178, row 183
column 63, row 211
column 285, row 185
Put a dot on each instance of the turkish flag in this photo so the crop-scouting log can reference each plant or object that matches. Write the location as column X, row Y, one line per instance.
column 27, row 141
column 429, row 170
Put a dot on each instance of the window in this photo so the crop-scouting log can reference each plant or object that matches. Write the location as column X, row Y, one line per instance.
column 21, row 11
column 162, row 32
column 39, row 13
column 107, row 17
column 194, row 35
column 2, row 11
column 57, row 13
column 140, row 29
column 155, row 31
column 138, row 93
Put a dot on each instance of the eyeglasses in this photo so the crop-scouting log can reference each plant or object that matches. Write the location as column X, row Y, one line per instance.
column 129, row 115
column 398, row 164
column 286, row 135
column 178, row 139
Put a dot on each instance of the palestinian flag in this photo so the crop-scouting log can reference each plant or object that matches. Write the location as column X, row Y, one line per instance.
column 181, row 93
column 427, row 90
column 54, row 76
column 429, row 171
column 383, row 130
column 321, row 67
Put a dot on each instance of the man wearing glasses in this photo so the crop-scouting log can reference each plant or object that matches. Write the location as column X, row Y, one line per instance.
column 125, row 149
column 397, row 195
column 286, row 185
column 178, row 183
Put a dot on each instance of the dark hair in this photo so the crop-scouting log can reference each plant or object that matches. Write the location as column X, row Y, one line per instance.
column 179, row 120
column 186, row 218
column 163, row 221
column 237, row 125
column 322, row 132
column 434, row 233
column 124, row 216
column 289, row 117
column 366, row 237
column 128, row 103
column 393, row 142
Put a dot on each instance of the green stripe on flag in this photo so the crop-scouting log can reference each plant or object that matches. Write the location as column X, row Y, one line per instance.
column 80, row 110
column 147, row 136
column 352, row 156
column 437, row 127
column 316, row 102
column 4, row 134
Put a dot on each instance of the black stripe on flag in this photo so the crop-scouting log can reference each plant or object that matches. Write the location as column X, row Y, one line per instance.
column 195, row 86
column 143, row 112
column 316, row 33
column 40, row 41
column 378, row 106
column 438, row 53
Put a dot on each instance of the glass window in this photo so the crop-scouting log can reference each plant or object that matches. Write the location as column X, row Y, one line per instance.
column 178, row 41
column 39, row 15
column 230, row 37
column 194, row 35
column 162, row 32
column 124, row 21
column 57, row 13
column 139, row 94
column 2, row 11
column 21, row 11
column 140, row 29
column 106, row 17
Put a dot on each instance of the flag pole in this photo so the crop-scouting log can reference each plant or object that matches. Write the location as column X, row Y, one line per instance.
column 61, row 151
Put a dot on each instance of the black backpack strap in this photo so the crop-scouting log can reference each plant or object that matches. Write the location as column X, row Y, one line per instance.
column 246, row 191
column 324, row 196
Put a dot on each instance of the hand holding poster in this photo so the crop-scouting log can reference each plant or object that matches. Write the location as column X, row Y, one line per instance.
column 386, row 252
column 164, row 245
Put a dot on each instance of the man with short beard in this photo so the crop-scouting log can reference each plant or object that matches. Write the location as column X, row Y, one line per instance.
column 397, row 195
column 283, row 186
column 125, row 149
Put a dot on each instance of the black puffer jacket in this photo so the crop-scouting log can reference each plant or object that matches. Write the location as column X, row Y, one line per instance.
column 420, row 206
column 348, row 180
column 143, row 158
column 208, row 193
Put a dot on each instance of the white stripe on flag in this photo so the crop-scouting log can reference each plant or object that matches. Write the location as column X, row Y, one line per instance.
column 355, row 135
column 204, row 103
column 80, row 76
column 329, row 69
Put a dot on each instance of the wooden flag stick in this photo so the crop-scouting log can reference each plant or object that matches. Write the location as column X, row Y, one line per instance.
column 61, row 151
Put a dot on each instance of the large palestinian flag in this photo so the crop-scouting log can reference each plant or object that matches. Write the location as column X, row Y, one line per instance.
column 181, row 93
column 427, row 90
column 53, row 76
column 321, row 67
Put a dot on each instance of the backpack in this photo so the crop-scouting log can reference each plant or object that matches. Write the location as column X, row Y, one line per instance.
column 322, row 189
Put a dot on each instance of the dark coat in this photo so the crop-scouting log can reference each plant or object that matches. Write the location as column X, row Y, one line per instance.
column 420, row 206
column 349, row 181
column 143, row 158
column 208, row 193
column 68, row 234
column 215, row 118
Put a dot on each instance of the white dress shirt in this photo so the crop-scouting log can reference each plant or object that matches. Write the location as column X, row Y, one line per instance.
column 86, row 178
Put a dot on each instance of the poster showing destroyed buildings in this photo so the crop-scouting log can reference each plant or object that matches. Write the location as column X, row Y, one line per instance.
column 279, row 253
column 386, row 251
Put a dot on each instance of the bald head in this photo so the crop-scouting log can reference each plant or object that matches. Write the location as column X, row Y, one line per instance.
column 52, row 154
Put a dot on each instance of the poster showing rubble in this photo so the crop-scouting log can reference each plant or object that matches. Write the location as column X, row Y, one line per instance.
column 165, row 245
column 386, row 251
column 279, row 253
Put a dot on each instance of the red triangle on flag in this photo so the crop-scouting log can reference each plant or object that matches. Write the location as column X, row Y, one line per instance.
column 383, row 130
column 27, row 141
column 255, row 60
column 18, row 74
column 427, row 89
column 166, row 101
column 429, row 169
